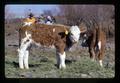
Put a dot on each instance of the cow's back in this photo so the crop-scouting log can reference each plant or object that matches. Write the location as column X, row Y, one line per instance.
column 44, row 34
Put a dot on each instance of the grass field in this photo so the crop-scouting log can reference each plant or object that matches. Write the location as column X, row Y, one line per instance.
column 42, row 62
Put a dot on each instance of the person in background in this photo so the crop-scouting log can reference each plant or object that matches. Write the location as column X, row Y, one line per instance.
column 49, row 20
column 41, row 19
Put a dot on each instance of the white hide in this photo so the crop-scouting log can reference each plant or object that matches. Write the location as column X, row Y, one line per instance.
column 54, row 30
column 23, row 52
column 100, row 62
column 99, row 45
column 61, row 60
column 27, row 23
column 75, row 33
column 25, row 59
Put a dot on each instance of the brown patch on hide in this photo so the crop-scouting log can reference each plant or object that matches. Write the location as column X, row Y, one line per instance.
column 44, row 35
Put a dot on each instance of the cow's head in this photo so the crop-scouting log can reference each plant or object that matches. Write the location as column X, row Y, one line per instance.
column 84, row 34
column 74, row 34
column 84, row 38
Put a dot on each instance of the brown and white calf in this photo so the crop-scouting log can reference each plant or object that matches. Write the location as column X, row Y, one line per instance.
column 60, row 36
column 95, row 40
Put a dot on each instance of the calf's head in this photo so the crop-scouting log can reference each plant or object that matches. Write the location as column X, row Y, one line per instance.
column 74, row 34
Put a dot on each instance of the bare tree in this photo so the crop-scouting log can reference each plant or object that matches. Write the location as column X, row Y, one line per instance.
column 92, row 15
column 72, row 15
column 9, row 14
column 47, row 12
column 27, row 12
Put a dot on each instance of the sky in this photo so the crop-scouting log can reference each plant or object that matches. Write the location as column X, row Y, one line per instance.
column 19, row 10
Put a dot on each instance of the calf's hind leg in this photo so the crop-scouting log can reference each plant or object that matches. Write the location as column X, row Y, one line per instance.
column 92, row 54
column 101, row 56
column 24, row 53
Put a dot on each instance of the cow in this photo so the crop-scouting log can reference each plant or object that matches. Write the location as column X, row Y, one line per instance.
column 60, row 36
column 95, row 40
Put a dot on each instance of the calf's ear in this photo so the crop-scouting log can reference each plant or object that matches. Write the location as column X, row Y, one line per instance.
column 63, row 34
column 66, row 32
